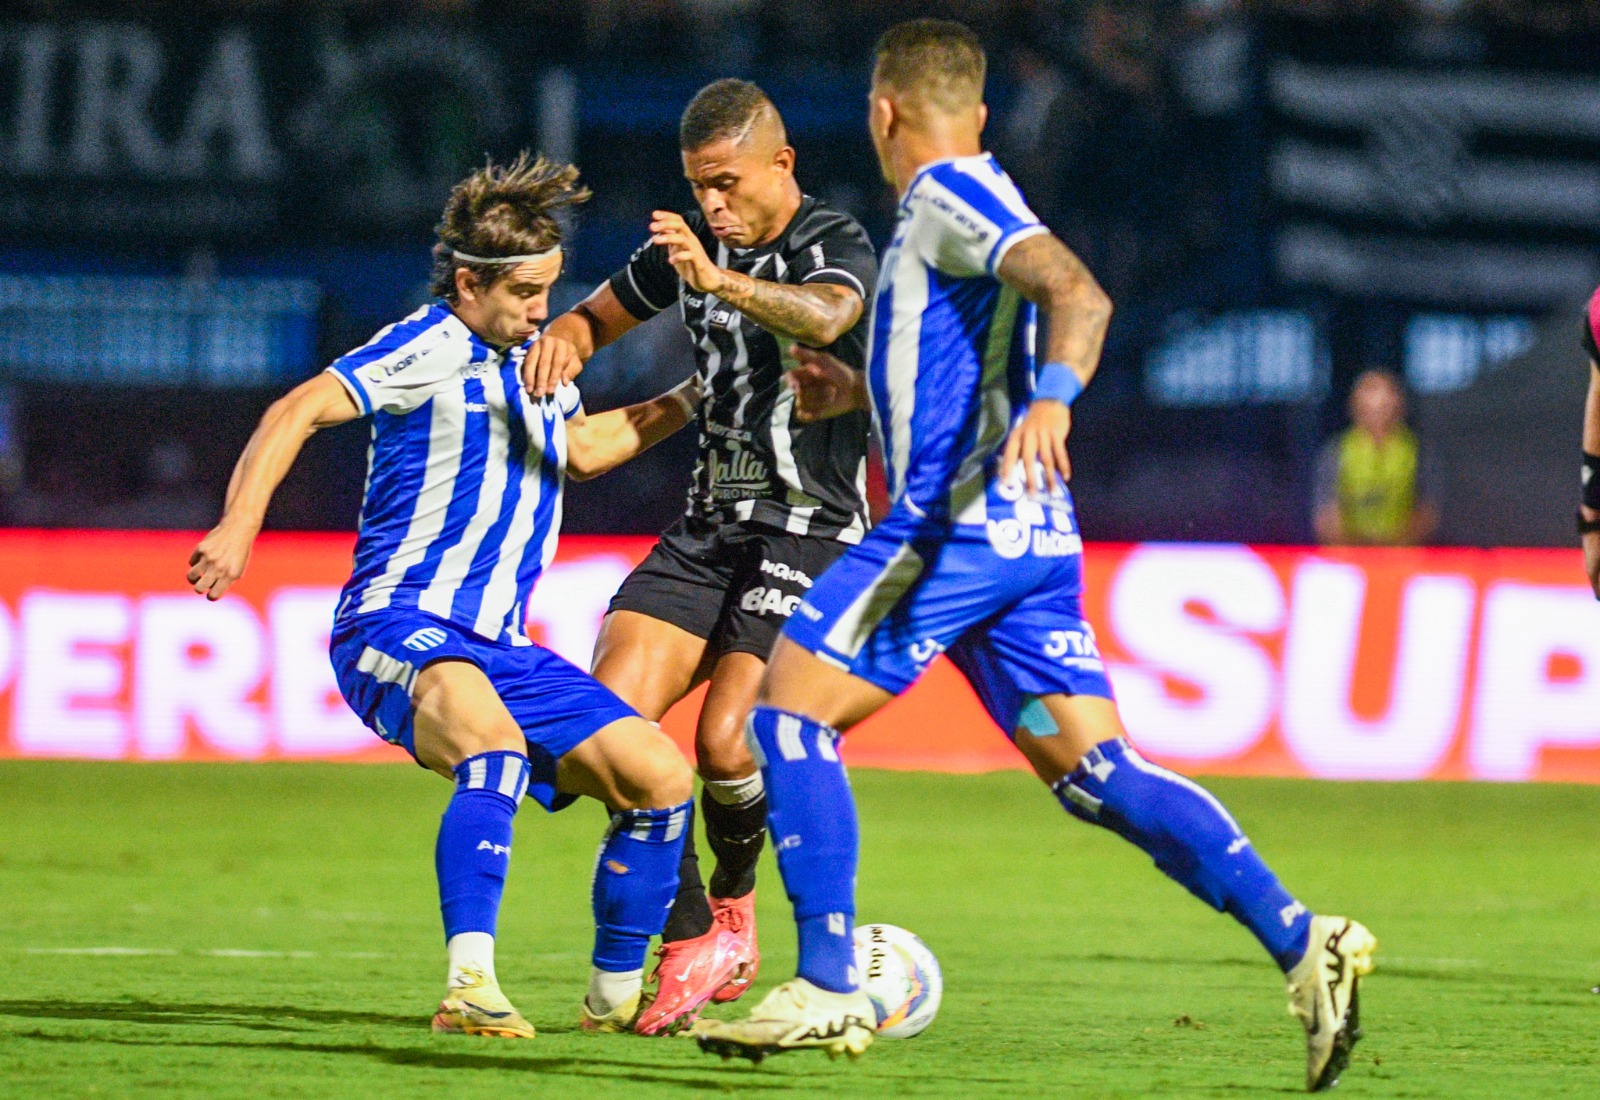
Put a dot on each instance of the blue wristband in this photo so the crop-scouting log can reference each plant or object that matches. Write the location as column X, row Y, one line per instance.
column 1058, row 382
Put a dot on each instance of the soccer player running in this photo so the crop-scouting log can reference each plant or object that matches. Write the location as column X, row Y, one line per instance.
column 774, row 502
column 982, row 561
column 461, row 513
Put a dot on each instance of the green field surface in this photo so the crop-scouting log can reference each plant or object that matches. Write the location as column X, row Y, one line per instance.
column 272, row 931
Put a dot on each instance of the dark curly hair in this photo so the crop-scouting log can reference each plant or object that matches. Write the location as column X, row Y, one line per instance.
column 502, row 211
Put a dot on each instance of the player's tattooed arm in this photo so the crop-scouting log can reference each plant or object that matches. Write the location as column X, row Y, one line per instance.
column 1076, row 312
column 604, row 441
column 222, row 555
column 816, row 315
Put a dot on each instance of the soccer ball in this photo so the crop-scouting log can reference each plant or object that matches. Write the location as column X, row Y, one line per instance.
column 900, row 976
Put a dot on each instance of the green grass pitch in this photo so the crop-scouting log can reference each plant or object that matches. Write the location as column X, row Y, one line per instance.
column 271, row 931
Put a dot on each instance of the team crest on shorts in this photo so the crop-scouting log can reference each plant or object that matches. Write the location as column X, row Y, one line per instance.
column 426, row 638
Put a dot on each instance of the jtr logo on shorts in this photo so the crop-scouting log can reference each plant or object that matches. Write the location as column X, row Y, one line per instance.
column 1075, row 648
column 765, row 601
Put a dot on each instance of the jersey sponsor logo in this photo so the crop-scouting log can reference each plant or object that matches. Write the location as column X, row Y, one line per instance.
column 1008, row 537
column 713, row 428
column 922, row 653
column 723, row 317
column 494, row 849
column 785, row 572
column 809, row 612
column 739, row 474
column 960, row 217
column 426, row 638
column 1053, row 544
column 475, row 406
column 768, row 601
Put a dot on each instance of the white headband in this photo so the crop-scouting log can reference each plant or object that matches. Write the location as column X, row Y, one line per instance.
column 548, row 254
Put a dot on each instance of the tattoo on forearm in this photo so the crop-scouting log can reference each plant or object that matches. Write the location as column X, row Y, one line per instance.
column 1046, row 272
column 814, row 315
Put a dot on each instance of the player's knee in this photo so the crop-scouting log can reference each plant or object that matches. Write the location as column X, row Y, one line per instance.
column 656, row 776
column 721, row 753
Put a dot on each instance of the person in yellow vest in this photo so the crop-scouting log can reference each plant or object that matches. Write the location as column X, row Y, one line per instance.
column 1373, row 486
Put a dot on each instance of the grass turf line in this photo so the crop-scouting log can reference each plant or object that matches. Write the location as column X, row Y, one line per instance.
column 294, row 948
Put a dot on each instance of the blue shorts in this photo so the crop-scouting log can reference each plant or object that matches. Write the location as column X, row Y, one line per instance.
column 376, row 658
column 1002, row 602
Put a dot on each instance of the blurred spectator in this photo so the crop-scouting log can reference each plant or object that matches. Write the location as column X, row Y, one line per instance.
column 1373, row 483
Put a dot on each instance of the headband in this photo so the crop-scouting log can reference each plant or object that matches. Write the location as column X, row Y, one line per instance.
column 548, row 254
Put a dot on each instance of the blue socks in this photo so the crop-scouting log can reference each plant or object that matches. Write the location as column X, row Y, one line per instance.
column 635, row 878
column 811, row 816
column 474, row 845
column 1191, row 838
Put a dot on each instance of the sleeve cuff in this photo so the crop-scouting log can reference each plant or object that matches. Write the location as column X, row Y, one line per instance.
column 1003, row 245
column 626, row 288
column 837, row 276
column 355, row 390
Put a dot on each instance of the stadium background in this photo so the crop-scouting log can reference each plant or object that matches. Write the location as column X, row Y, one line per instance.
column 202, row 204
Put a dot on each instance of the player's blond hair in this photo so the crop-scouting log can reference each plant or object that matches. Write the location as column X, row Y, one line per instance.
column 932, row 63
column 508, row 210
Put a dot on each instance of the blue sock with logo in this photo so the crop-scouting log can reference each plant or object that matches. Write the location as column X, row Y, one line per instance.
column 1192, row 839
column 635, row 879
column 811, row 816
column 474, row 845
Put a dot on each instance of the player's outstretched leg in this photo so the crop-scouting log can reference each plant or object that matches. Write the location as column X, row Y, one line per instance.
column 638, row 773
column 1195, row 841
column 734, row 804
column 471, row 857
column 812, row 817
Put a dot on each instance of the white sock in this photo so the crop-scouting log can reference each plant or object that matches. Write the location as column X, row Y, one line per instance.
column 608, row 990
column 736, row 792
column 470, row 951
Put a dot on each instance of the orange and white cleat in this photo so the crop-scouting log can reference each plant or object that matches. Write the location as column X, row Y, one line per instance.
column 738, row 917
column 688, row 974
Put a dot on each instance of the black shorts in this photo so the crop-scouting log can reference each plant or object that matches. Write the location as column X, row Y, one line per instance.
column 733, row 585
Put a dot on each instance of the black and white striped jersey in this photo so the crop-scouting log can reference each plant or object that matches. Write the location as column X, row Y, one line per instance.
column 758, row 465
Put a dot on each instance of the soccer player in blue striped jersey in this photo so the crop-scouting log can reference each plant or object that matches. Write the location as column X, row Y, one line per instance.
column 980, row 559
column 461, row 514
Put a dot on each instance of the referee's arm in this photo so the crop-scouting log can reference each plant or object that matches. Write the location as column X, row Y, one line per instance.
column 222, row 555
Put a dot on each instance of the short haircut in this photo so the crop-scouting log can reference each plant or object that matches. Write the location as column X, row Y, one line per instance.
column 723, row 110
column 502, row 211
column 933, row 61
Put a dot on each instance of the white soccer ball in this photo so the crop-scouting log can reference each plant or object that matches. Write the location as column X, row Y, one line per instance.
column 900, row 976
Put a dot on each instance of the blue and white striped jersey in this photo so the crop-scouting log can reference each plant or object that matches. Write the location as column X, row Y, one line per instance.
column 952, row 350
column 463, row 497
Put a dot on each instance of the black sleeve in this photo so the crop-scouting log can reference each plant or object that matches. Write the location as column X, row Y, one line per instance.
column 839, row 253
column 648, row 284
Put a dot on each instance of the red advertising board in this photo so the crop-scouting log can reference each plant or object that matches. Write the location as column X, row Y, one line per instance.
column 1378, row 664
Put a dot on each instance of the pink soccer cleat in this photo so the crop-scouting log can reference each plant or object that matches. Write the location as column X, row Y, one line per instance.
column 737, row 916
column 688, row 974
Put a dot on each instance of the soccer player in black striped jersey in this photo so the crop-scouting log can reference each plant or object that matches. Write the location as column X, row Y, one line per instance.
column 759, row 268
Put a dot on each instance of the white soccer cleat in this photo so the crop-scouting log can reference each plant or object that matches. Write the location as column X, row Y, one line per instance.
column 1324, row 990
column 795, row 1016
column 475, row 1006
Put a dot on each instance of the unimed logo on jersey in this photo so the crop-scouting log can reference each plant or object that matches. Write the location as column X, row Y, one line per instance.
column 1404, row 664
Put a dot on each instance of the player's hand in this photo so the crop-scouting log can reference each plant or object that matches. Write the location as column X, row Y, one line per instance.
column 549, row 362
column 823, row 385
column 220, row 559
column 685, row 252
column 1039, row 442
